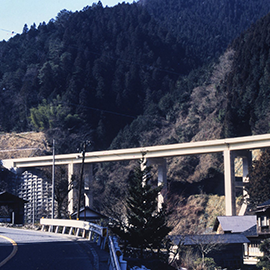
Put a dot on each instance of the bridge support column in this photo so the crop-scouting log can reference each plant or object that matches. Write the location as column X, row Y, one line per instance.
column 229, row 175
column 162, row 178
column 88, row 184
column 71, row 192
column 246, row 161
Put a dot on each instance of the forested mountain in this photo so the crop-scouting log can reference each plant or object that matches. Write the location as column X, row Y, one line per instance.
column 98, row 69
column 232, row 100
column 147, row 73
column 90, row 73
column 206, row 27
column 247, row 86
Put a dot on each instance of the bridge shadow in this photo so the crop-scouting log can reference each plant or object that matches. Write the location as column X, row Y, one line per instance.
column 212, row 184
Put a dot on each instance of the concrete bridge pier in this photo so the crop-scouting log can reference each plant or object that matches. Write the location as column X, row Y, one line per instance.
column 229, row 175
column 71, row 192
column 246, row 156
column 88, row 191
column 162, row 177
column 88, row 184
column 229, row 178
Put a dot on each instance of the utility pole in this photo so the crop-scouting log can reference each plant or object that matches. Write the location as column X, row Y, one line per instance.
column 83, row 146
column 53, row 178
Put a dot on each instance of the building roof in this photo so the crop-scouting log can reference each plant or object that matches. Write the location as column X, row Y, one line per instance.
column 8, row 198
column 237, row 224
column 191, row 240
column 267, row 203
column 263, row 207
column 89, row 213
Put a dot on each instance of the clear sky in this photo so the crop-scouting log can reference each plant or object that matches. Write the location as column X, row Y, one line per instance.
column 14, row 14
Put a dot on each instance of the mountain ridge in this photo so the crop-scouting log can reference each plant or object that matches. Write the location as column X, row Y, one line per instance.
column 86, row 75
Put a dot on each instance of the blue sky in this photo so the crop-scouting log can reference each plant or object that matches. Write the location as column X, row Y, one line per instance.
column 15, row 13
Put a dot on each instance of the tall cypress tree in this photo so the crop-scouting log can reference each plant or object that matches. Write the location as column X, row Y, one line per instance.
column 258, row 187
column 146, row 225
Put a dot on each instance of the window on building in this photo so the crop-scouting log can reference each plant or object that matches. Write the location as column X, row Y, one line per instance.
column 264, row 221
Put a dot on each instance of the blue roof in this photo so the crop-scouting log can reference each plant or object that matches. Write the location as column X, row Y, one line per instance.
column 267, row 203
column 191, row 240
column 237, row 224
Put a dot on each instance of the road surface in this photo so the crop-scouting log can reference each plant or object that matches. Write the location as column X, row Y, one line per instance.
column 28, row 250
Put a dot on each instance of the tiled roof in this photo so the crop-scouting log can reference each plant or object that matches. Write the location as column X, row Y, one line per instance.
column 89, row 213
column 267, row 203
column 237, row 224
column 190, row 240
column 6, row 197
column 251, row 231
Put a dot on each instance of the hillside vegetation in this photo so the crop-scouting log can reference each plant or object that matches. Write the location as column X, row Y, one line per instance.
column 206, row 27
column 90, row 73
column 147, row 73
column 28, row 144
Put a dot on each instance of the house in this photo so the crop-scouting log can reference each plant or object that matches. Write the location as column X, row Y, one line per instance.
column 11, row 208
column 263, row 216
column 88, row 214
column 244, row 225
column 237, row 238
column 225, row 249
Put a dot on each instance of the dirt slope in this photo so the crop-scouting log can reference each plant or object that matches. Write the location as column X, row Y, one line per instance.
column 28, row 144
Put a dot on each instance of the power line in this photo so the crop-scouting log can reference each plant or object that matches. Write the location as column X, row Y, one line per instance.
column 106, row 111
column 29, row 139
column 101, row 110
column 9, row 31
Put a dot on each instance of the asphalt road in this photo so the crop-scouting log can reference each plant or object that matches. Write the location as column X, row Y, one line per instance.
column 28, row 250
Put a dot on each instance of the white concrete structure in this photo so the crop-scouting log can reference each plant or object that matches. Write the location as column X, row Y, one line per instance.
column 67, row 226
column 37, row 192
column 229, row 148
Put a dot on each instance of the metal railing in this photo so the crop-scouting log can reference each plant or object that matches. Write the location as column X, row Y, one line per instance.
column 116, row 258
column 85, row 229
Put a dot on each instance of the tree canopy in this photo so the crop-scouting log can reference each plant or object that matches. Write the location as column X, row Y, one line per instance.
column 258, row 187
column 264, row 261
column 106, row 66
column 145, row 225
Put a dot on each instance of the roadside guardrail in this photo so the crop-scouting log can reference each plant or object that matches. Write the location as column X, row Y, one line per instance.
column 81, row 228
column 116, row 257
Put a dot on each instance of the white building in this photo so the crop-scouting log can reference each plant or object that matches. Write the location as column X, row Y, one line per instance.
column 38, row 193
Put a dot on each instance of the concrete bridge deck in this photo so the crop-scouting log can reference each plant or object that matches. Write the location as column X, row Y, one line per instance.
column 231, row 148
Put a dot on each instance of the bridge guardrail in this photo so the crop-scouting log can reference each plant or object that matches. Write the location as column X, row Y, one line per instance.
column 116, row 258
column 95, row 232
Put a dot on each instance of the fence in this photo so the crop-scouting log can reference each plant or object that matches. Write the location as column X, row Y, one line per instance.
column 85, row 229
column 116, row 258
column 92, row 232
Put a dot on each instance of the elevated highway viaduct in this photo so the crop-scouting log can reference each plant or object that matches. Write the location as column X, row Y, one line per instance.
column 230, row 147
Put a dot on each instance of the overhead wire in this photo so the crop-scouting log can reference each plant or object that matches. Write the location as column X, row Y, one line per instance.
column 9, row 31
column 102, row 110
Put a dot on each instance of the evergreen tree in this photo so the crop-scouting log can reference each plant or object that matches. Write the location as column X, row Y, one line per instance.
column 264, row 261
column 258, row 187
column 145, row 226
column 25, row 29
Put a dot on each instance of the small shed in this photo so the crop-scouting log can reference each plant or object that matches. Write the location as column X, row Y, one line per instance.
column 11, row 208
column 225, row 249
column 88, row 214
